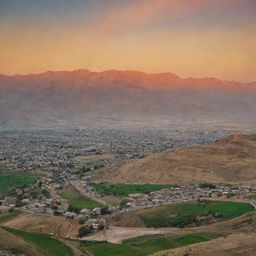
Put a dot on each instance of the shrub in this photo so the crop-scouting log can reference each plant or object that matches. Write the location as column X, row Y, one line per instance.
column 73, row 209
column 124, row 202
column 84, row 231
column 81, row 221
column 56, row 213
column 105, row 210
column 207, row 185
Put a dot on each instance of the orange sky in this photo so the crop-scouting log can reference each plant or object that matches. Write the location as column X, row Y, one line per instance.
column 190, row 38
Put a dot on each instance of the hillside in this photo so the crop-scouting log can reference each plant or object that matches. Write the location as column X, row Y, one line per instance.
column 232, row 160
column 82, row 98
column 10, row 243
column 58, row 226
column 233, row 245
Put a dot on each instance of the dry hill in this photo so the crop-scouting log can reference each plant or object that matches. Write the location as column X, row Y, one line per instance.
column 232, row 160
column 61, row 227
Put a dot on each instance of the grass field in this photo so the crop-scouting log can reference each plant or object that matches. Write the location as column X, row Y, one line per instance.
column 126, row 189
column 146, row 245
column 46, row 244
column 76, row 200
column 189, row 213
column 4, row 216
column 193, row 213
column 13, row 180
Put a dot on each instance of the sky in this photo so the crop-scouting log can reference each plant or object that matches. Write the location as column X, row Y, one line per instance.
column 192, row 38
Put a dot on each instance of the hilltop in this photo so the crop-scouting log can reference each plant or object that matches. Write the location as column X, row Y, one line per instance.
column 230, row 161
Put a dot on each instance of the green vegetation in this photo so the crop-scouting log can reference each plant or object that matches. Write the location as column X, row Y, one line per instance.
column 88, row 166
column 124, row 202
column 145, row 245
column 207, row 185
column 46, row 193
column 77, row 201
column 12, row 180
column 105, row 210
column 126, row 189
column 45, row 243
column 84, row 231
column 192, row 213
column 4, row 216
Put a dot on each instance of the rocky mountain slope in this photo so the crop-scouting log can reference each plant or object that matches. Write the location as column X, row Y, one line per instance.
column 81, row 97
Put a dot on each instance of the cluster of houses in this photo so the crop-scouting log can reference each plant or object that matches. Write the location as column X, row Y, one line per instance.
column 56, row 152
column 189, row 192
column 54, row 149
column 51, row 203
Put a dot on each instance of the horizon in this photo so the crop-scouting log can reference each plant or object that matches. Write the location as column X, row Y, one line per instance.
column 128, row 70
column 201, row 38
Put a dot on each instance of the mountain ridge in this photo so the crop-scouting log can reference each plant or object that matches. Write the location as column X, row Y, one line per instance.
column 79, row 97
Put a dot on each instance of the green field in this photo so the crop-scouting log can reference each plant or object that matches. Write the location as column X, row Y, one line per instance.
column 139, row 246
column 46, row 244
column 193, row 213
column 187, row 214
column 76, row 200
column 146, row 245
column 126, row 189
column 4, row 216
column 12, row 180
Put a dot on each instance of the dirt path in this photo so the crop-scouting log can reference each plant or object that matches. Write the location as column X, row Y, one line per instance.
column 118, row 234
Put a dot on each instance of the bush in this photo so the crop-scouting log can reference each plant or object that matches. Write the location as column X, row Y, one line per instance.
column 105, row 210
column 86, row 169
column 84, row 231
column 73, row 209
column 81, row 221
column 56, row 213
column 207, row 185
column 124, row 202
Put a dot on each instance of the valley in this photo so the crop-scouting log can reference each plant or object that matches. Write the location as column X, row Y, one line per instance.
column 127, row 128
column 84, row 193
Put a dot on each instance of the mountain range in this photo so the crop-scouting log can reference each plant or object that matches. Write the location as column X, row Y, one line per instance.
column 81, row 98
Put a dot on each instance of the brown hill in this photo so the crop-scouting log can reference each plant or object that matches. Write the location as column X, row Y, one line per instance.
column 61, row 227
column 231, row 161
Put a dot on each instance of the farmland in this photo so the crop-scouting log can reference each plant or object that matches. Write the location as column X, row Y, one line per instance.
column 188, row 214
column 76, row 200
column 142, row 246
column 12, row 180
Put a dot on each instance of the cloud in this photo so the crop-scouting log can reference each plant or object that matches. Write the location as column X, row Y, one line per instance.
column 134, row 14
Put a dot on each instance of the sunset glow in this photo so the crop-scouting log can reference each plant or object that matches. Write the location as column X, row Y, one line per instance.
column 191, row 38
